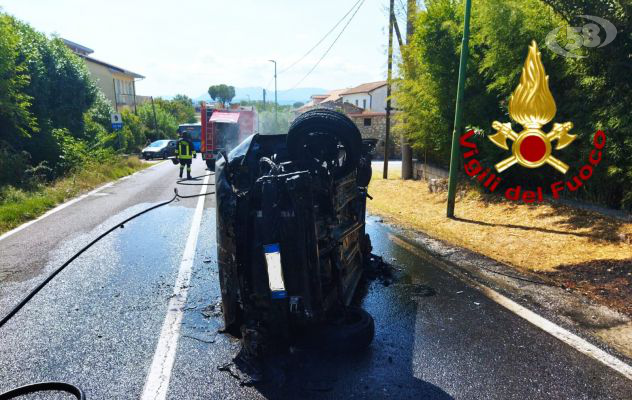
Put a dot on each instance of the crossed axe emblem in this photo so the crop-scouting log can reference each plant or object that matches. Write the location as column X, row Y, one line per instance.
column 531, row 148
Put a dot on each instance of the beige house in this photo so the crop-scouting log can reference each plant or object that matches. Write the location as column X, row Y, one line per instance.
column 118, row 84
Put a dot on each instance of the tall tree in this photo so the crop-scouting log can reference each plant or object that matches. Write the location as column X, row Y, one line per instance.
column 181, row 107
column 222, row 93
column 593, row 92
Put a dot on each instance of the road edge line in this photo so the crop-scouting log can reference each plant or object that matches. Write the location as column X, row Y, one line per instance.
column 562, row 334
column 69, row 203
column 157, row 381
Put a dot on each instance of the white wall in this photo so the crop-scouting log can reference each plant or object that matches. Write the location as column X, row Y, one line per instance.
column 379, row 99
column 375, row 102
column 359, row 97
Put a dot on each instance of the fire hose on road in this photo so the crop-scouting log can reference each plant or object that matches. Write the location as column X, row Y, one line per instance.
column 63, row 386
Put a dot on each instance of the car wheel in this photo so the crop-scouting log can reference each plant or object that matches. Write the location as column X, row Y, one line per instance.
column 210, row 164
column 310, row 130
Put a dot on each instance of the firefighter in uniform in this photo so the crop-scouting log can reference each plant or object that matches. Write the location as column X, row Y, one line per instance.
column 185, row 153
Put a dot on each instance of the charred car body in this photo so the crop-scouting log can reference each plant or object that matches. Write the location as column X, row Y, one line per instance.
column 291, row 237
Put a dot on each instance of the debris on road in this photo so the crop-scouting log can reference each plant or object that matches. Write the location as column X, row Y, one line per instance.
column 212, row 310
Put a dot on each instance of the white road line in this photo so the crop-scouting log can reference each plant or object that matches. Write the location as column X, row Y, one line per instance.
column 551, row 328
column 157, row 382
column 68, row 203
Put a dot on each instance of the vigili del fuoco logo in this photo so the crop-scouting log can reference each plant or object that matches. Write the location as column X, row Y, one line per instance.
column 531, row 105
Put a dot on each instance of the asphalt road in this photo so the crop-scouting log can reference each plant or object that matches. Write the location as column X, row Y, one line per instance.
column 98, row 323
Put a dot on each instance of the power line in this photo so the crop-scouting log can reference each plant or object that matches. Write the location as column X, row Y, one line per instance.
column 322, row 39
column 332, row 45
column 402, row 4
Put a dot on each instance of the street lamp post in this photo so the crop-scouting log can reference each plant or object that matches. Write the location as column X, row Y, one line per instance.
column 276, row 104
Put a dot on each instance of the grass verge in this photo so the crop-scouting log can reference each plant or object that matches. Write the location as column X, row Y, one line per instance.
column 580, row 249
column 18, row 206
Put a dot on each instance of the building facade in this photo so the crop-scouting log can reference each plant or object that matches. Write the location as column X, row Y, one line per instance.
column 366, row 106
column 368, row 96
column 117, row 84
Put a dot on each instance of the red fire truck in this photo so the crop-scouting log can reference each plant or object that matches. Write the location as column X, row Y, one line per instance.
column 222, row 130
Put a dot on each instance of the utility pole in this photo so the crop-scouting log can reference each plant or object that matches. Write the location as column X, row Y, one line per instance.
column 115, row 95
column 407, row 151
column 276, row 104
column 153, row 107
column 264, row 99
column 391, row 18
column 134, row 93
column 458, row 114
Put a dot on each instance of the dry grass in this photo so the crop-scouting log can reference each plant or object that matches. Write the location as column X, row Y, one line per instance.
column 533, row 237
column 18, row 205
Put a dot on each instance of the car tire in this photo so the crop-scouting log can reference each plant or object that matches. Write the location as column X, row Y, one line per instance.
column 210, row 164
column 329, row 122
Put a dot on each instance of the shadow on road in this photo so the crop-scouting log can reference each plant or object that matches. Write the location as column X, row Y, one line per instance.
column 310, row 374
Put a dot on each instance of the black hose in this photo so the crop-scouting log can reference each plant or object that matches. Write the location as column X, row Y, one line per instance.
column 44, row 386
column 192, row 181
column 62, row 386
column 50, row 277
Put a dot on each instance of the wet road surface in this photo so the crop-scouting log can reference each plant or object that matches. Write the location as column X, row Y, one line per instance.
column 97, row 324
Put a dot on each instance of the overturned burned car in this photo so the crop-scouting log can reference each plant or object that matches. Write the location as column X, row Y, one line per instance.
column 291, row 237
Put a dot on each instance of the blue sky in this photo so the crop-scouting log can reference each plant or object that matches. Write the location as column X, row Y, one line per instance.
column 184, row 46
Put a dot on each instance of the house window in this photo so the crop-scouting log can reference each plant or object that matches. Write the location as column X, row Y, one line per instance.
column 364, row 103
column 367, row 122
column 356, row 102
column 118, row 90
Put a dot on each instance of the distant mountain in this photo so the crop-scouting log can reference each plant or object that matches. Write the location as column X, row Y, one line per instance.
column 284, row 96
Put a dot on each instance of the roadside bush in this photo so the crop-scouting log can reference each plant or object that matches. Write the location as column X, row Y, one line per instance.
column 165, row 126
column 73, row 152
column 135, row 131
column 13, row 164
column 593, row 92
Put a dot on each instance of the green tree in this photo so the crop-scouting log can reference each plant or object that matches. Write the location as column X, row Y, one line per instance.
column 16, row 121
column 166, row 125
column 592, row 92
column 599, row 91
column 44, row 87
column 134, row 131
column 222, row 93
column 180, row 107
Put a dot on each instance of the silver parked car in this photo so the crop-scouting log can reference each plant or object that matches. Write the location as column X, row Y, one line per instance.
column 159, row 149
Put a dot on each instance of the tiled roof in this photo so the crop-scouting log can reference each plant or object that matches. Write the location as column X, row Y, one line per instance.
column 334, row 95
column 365, row 88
